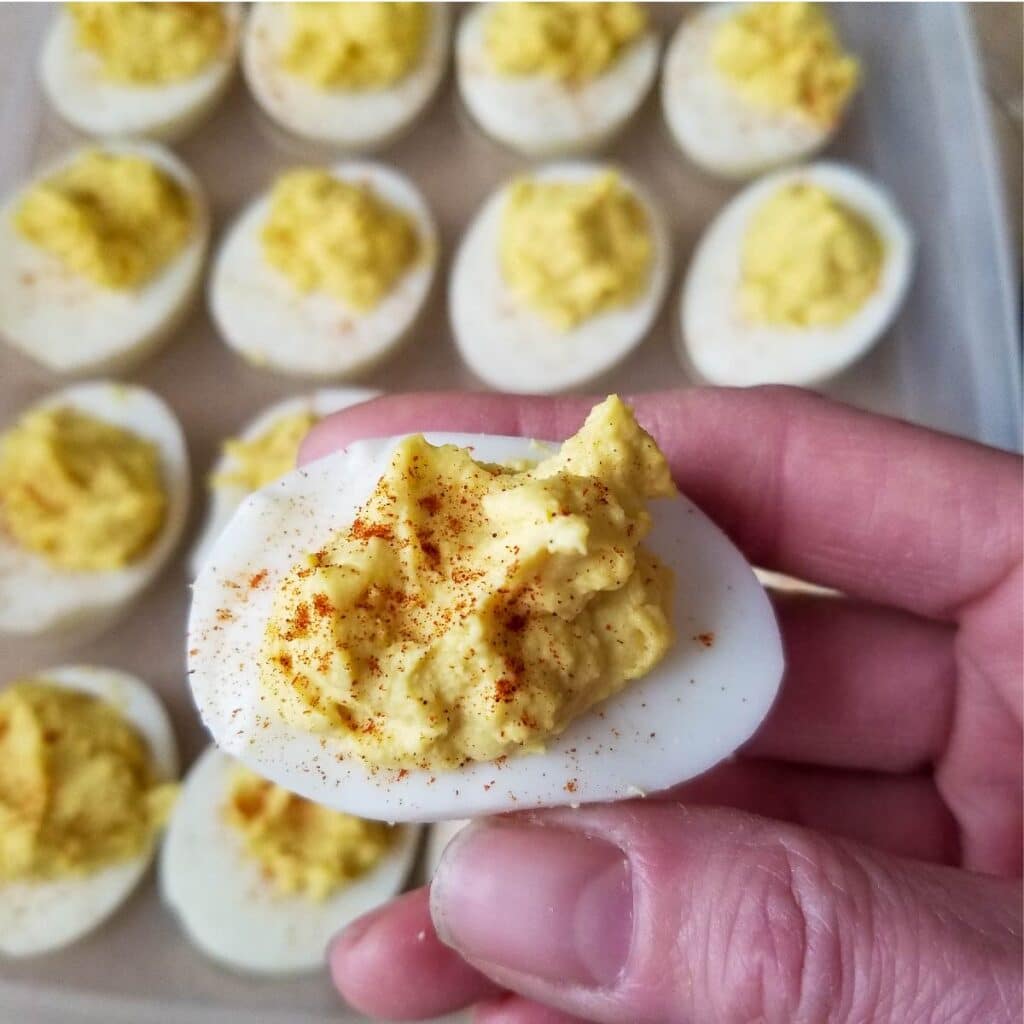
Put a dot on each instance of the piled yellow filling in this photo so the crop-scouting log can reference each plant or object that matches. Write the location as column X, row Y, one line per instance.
column 81, row 492
column 355, row 45
column 116, row 219
column 808, row 260
column 786, row 57
column 150, row 43
column 302, row 847
column 267, row 457
column 472, row 610
column 341, row 238
column 573, row 42
column 571, row 250
column 78, row 790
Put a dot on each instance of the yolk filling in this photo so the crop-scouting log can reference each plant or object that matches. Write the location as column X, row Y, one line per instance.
column 265, row 458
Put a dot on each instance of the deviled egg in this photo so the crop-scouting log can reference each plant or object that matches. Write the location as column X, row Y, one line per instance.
column 748, row 87
column 100, row 257
column 87, row 762
column 327, row 273
column 150, row 69
column 261, row 879
column 795, row 279
column 265, row 450
column 425, row 628
column 558, row 278
column 353, row 75
column 94, row 491
column 554, row 78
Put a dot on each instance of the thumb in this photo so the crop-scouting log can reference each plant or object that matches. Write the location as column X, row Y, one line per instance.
column 659, row 913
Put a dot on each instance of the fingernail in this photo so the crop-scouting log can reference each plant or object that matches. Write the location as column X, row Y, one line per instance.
column 547, row 902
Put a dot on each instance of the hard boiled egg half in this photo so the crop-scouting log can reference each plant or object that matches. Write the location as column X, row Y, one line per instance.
column 101, row 256
column 558, row 278
column 327, row 273
column 795, row 279
column 94, row 492
column 130, row 69
column 38, row 915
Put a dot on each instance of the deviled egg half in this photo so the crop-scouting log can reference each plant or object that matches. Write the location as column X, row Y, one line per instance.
column 550, row 79
column 795, row 279
column 327, row 273
column 261, row 879
column 427, row 628
column 101, row 256
column 558, row 278
column 263, row 452
column 748, row 87
column 352, row 75
column 151, row 69
column 87, row 763
column 94, row 491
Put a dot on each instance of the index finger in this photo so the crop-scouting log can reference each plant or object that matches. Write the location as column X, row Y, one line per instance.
column 872, row 506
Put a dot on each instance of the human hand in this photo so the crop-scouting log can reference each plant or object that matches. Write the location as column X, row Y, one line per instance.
column 854, row 861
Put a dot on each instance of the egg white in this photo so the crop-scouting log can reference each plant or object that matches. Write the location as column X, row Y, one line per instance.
column 72, row 78
column 72, row 325
column 229, row 908
column 353, row 119
column 716, row 342
column 717, row 128
column 225, row 498
column 39, row 598
column 41, row 916
column 695, row 708
column 539, row 115
column 439, row 835
column 514, row 348
column 262, row 316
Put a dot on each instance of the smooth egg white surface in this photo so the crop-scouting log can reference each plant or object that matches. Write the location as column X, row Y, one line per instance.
column 72, row 78
column 542, row 116
column 718, row 344
column 354, row 119
column 264, row 318
column 41, row 916
column 698, row 705
column 72, row 325
column 514, row 348
column 37, row 597
column 226, row 905
column 225, row 498
column 712, row 124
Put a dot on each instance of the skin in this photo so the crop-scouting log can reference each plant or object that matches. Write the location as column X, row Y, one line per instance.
column 860, row 858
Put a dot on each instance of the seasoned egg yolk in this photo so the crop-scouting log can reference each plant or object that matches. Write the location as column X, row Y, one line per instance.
column 78, row 789
column 573, row 42
column 354, row 45
column 786, row 57
column 338, row 237
column 255, row 463
column 150, row 43
column 571, row 250
column 472, row 611
column 116, row 219
column 83, row 493
column 808, row 260
column 303, row 848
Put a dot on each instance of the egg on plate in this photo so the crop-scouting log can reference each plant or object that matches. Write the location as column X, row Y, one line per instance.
column 94, row 493
column 749, row 87
column 139, row 69
column 101, row 256
column 558, row 278
column 261, row 880
column 41, row 914
column 795, row 279
column 554, row 78
column 350, row 75
column 327, row 273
